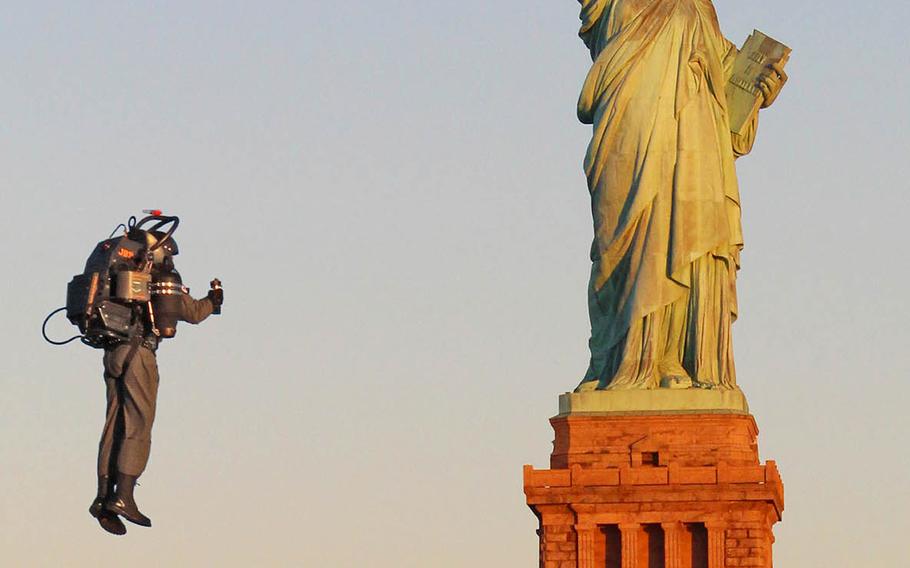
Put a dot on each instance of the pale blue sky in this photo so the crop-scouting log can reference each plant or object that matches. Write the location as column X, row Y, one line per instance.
column 392, row 194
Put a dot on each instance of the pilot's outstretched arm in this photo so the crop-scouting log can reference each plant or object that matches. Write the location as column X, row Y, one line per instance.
column 194, row 311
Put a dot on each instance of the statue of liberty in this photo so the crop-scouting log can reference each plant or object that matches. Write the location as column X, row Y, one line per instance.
column 664, row 195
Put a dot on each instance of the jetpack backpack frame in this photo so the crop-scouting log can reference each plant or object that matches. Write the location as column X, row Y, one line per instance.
column 129, row 287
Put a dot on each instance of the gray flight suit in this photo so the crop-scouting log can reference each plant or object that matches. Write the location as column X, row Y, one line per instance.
column 127, row 436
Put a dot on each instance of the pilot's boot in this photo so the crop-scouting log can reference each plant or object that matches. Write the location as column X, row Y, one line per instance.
column 109, row 521
column 122, row 502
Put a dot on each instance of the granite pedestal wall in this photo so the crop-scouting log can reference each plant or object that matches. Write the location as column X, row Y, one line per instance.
column 630, row 487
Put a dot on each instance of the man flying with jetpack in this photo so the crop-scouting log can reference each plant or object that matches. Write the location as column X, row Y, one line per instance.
column 129, row 298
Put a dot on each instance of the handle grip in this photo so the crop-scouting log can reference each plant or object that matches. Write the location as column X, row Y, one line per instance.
column 216, row 285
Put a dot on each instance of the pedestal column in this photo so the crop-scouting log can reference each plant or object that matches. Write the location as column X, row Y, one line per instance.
column 630, row 534
column 672, row 551
column 585, row 544
column 716, row 532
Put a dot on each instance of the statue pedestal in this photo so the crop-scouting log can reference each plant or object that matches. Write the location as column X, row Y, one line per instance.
column 676, row 488
column 698, row 401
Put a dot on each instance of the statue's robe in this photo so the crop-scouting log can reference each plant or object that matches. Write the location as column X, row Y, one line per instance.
column 666, row 205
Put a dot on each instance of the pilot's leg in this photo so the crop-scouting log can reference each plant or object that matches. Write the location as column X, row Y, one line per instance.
column 106, row 459
column 138, row 387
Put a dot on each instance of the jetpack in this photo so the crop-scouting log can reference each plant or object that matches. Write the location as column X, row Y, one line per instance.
column 129, row 288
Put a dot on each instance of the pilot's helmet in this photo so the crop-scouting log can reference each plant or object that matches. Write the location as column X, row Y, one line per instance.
column 165, row 251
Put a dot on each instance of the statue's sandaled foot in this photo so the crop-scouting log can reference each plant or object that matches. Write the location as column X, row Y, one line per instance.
column 108, row 520
column 674, row 376
column 675, row 382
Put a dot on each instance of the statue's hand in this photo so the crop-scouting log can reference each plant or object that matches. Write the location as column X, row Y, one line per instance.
column 770, row 82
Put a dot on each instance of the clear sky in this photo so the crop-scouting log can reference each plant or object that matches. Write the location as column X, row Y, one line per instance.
column 393, row 197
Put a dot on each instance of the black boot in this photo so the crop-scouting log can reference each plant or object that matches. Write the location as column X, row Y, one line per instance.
column 122, row 502
column 108, row 520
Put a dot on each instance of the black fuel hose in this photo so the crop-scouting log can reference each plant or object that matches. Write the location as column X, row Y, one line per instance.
column 44, row 330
